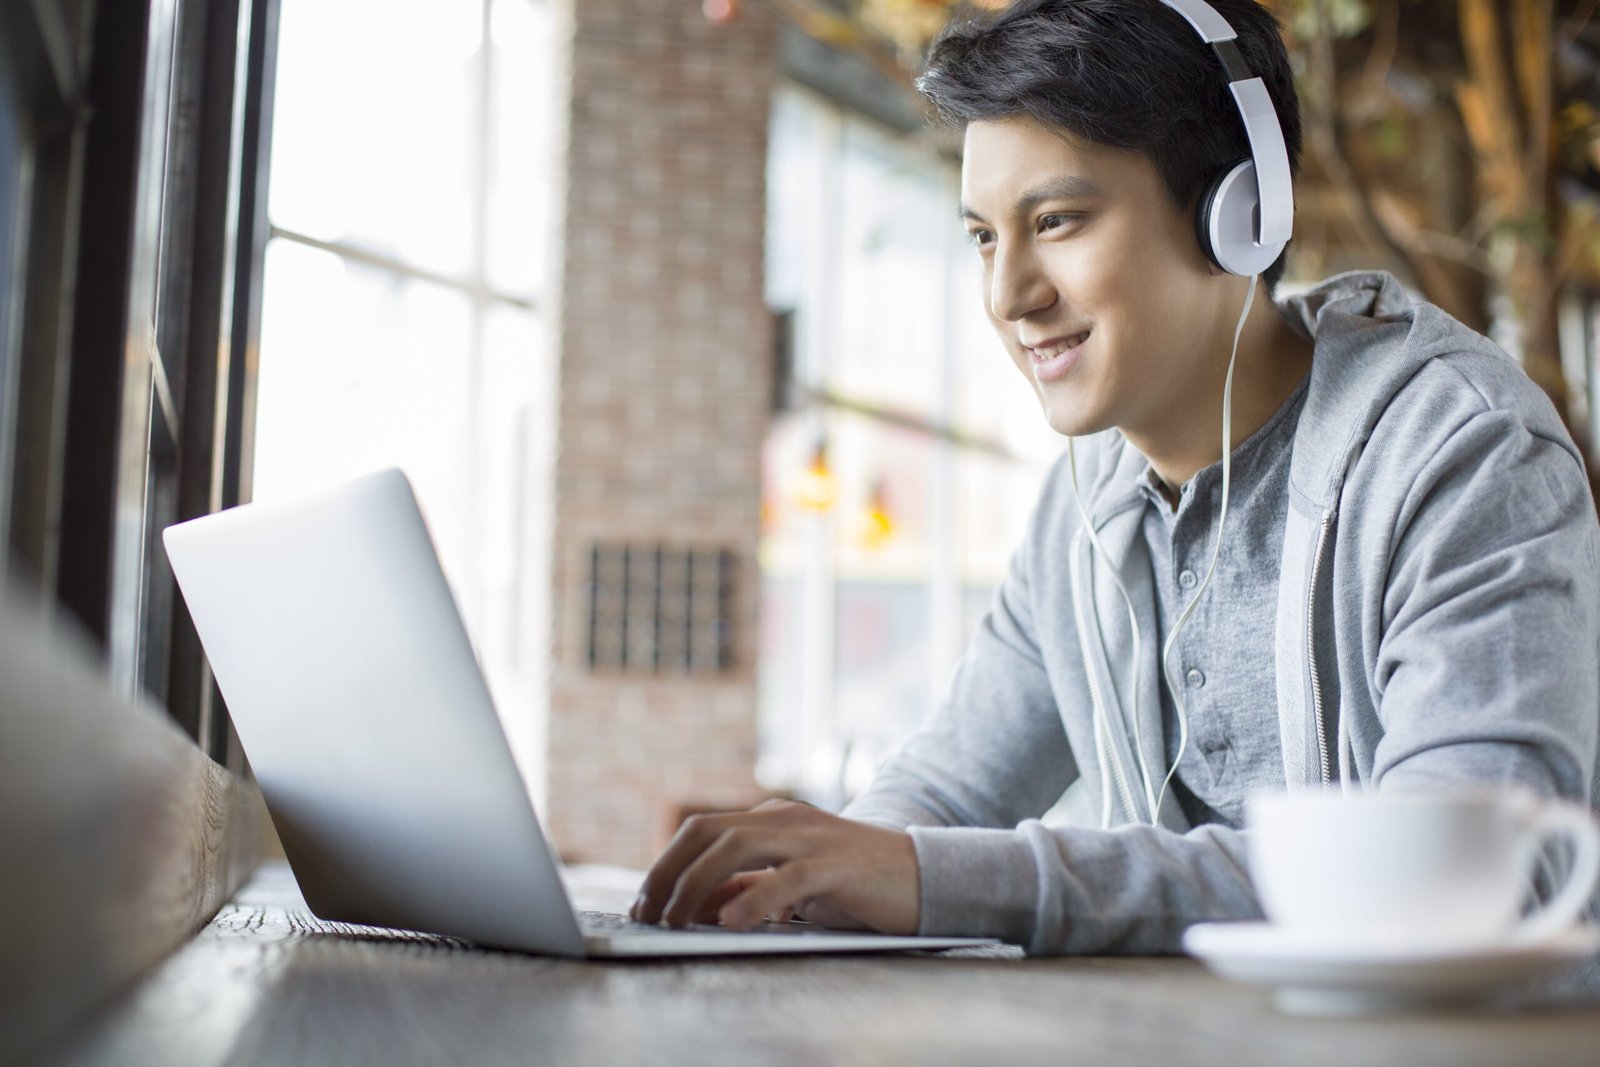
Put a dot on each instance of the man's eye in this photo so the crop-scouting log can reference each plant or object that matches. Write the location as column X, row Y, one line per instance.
column 1056, row 220
column 980, row 237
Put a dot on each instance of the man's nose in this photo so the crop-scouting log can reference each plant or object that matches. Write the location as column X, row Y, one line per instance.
column 1018, row 284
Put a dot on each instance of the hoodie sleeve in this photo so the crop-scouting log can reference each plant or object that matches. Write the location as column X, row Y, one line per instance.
column 1487, row 634
column 1133, row 889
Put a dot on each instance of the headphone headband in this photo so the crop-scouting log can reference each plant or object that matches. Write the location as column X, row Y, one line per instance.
column 1274, row 221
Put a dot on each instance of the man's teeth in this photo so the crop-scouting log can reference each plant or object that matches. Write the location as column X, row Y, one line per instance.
column 1045, row 355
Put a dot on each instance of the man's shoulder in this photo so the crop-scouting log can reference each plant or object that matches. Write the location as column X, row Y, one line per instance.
column 1466, row 416
column 1403, row 384
column 1466, row 377
column 1379, row 353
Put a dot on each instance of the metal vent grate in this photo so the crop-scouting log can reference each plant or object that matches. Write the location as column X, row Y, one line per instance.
column 658, row 609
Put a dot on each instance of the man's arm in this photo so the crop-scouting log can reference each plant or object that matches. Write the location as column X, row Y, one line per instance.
column 1486, row 663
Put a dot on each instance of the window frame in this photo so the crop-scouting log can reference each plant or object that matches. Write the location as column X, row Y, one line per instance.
column 141, row 235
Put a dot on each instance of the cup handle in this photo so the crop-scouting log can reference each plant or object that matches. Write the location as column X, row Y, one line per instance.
column 1554, row 821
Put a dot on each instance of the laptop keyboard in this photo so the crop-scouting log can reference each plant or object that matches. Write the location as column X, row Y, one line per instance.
column 607, row 923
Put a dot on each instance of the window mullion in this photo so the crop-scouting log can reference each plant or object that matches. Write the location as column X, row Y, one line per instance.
column 477, row 287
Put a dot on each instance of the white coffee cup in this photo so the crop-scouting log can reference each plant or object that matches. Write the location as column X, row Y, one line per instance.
column 1416, row 870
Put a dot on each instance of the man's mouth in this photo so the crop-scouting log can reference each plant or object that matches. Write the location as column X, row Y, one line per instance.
column 1048, row 350
column 1055, row 357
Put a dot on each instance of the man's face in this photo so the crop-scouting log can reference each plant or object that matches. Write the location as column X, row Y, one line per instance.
column 1093, row 278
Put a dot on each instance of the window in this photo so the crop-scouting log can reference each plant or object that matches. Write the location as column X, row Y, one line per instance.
column 14, row 168
column 404, row 321
column 127, row 200
column 932, row 445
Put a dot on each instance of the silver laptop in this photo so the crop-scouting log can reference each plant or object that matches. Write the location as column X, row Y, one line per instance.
column 355, row 692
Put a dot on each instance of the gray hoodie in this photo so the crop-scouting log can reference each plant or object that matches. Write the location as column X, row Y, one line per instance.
column 1438, row 622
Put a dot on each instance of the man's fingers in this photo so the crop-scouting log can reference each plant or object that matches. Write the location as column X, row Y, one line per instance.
column 697, row 834
column 725, row 892
column 742, row 848
column 773, row 895
column 827, row 868
column 692, row 838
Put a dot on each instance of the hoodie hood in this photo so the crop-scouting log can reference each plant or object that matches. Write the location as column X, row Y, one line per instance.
column 1371, row 338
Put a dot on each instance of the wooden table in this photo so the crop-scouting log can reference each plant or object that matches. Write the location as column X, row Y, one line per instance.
column 267, row 983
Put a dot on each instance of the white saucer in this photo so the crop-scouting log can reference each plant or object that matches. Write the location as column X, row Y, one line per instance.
column 1327, row 979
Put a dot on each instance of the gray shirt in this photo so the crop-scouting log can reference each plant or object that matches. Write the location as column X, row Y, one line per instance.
column 1223, row 660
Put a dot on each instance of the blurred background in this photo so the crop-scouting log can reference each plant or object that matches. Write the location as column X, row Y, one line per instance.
column 665, row 307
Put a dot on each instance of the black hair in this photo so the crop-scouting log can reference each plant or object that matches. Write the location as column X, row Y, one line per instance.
column 1129, row 74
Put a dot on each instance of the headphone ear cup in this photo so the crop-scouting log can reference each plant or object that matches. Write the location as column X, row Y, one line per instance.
column 1229, row 219
column 1202, row 218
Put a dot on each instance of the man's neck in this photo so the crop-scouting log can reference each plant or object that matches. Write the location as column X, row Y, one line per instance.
column 1273, row 360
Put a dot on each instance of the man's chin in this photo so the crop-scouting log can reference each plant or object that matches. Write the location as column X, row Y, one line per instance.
column 1074, row 423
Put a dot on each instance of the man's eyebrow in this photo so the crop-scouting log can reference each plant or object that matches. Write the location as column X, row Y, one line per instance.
column 1066, row 187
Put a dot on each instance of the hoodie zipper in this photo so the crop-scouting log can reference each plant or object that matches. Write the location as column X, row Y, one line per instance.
column 1117, row 776
column 1324, row 763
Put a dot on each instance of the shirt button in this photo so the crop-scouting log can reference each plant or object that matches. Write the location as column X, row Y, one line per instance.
column 1195, row 678
column 1187, row 579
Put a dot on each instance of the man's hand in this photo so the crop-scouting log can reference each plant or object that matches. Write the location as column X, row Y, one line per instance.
column 781, row 859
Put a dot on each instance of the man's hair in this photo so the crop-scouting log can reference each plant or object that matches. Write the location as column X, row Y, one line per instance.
column 1129, row 74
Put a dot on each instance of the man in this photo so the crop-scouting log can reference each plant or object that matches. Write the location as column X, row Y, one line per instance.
column 1386, row 579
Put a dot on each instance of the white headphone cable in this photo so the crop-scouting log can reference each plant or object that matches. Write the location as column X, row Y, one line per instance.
column 1222, row 521
column 1153, row 799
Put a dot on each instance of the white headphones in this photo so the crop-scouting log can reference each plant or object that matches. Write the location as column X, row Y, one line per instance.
column 1247, row 213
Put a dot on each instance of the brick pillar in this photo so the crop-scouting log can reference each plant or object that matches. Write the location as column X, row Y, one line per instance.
column 664, row 382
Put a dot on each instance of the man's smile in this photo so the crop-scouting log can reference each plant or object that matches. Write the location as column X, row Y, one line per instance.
column 1054, row 356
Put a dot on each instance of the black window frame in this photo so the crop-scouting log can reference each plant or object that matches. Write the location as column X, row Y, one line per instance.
column 132, row 370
